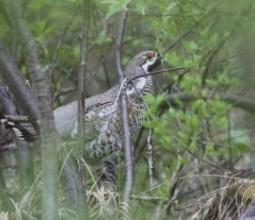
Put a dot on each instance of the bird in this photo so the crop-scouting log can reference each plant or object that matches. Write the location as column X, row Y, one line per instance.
column 102, row 117
column 103, row 120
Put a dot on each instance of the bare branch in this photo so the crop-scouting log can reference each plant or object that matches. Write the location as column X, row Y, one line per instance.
column 187, row 68
column 16, row 82
column 83, row 68
column 149, row 158
column 81, row 197
column 187, row 33
column 124, row 112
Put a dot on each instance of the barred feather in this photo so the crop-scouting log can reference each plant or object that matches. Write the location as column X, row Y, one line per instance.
column 24, row 127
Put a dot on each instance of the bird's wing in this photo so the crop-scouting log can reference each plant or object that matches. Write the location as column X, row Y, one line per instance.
column 65, row 117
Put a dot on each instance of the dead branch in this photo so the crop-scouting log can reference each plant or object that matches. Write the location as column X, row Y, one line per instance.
column 81, row 197
column 124, row 112
column 13, row 78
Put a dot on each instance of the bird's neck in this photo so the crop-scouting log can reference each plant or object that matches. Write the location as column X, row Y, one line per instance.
column 140, row 86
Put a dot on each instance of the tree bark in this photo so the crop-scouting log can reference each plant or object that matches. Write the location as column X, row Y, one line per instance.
column 41, row 85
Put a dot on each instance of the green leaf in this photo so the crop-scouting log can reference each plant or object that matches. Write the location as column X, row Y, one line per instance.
column 191, row 46
column 241, row 146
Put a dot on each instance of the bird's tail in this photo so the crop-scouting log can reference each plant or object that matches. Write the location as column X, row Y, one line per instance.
column 24, row 127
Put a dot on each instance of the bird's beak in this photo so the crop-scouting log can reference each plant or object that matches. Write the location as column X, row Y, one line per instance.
column 159, row 56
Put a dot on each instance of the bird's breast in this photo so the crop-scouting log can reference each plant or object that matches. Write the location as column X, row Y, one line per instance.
column 140, row 86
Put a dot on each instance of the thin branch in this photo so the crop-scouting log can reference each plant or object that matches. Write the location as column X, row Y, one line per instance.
column 210, row 59
column 54, row 59
column 149, row 158
column 222, row 43
column 187, row 68
column 157, row 72
column 81, row 195
column 13, row 78
column 124, row 112
column 173, row 44
column 83, row 69
column 101, row 62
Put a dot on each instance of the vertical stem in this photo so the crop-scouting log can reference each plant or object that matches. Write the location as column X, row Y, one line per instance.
column 82, row 206
column 41, row 85
column 83, row 68
column 124, row 113
column 149, row 159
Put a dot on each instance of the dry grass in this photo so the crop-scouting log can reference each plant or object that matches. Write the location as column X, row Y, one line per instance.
column 227, row 203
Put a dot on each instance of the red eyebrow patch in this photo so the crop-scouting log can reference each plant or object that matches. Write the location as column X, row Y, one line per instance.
column 150, row 54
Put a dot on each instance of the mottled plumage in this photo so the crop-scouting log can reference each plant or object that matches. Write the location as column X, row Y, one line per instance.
column 103, row 133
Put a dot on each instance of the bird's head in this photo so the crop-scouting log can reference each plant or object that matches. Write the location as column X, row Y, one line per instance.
column 148, row 60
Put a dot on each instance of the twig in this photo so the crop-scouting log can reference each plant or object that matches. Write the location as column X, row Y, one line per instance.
column 222, row 42
column 15, row 81
column 114, row 106
column 210, row 59
column 157, row 72
column 81, row 197
column 186, row 33
column 124, row 112
column 55, row 57
column 187, row 68
column 83, row 69
column 99, row 64
column 149, row 158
